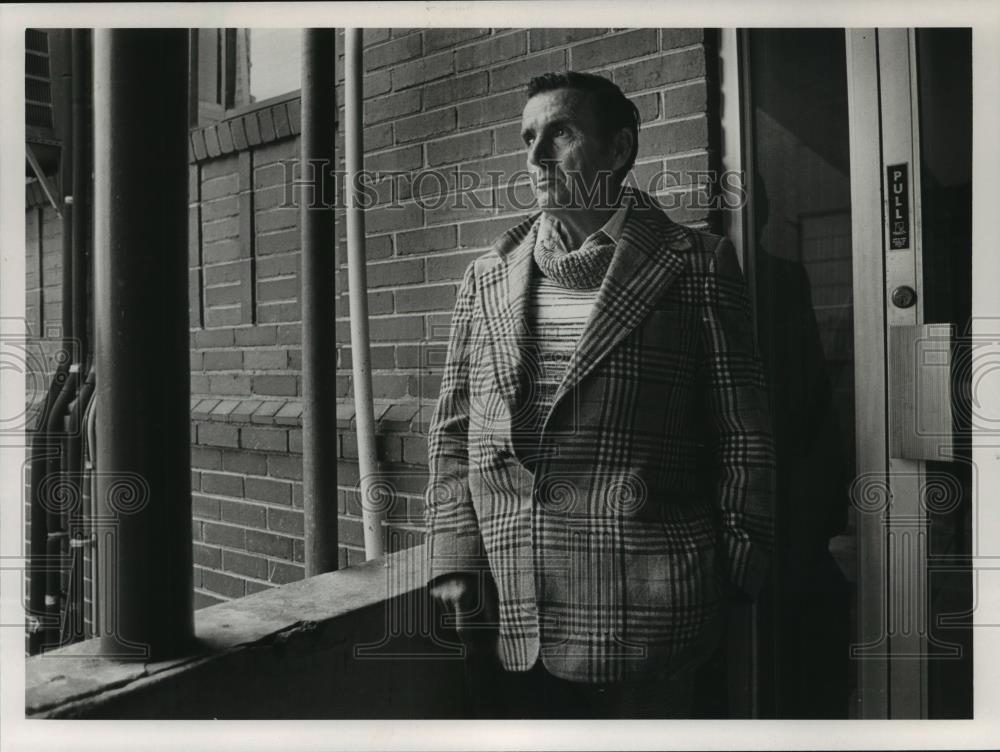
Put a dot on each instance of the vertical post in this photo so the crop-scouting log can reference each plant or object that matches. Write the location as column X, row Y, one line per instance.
column 319, row 408
column 141, row 337
column 371, row 508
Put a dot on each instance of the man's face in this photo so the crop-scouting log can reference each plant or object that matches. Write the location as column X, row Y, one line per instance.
column 566, row 151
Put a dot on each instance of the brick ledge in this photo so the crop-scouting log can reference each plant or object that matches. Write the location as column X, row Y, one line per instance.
column 391, row 416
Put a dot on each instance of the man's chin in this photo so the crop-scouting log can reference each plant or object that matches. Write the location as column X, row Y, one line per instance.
column 549, row 199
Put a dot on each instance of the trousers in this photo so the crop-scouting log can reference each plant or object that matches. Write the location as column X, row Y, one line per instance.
column 536, row 694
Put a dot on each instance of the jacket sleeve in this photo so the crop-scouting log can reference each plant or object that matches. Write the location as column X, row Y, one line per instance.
column 740, row 424
column 454, row 540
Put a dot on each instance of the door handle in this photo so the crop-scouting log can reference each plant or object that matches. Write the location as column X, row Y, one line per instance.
column 920, row 392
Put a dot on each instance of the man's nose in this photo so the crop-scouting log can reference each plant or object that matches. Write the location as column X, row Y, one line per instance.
column 539, row 153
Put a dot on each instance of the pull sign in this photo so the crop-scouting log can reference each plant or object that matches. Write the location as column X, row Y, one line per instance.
column 899, row 206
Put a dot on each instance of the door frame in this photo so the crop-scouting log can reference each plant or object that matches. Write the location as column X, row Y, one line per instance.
column 892, row 603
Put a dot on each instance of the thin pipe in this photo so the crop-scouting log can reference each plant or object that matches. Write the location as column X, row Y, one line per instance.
column 372, row 508
column 319, row 367
column 90, row 508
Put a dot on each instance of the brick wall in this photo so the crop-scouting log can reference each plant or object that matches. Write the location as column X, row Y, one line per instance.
column 435, row 100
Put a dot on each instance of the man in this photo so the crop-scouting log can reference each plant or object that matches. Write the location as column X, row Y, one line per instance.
column 600, row 455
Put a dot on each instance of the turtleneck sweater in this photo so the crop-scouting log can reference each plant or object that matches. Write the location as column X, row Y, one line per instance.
column 564, row 286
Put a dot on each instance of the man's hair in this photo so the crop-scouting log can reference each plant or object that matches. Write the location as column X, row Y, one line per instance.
column 614, row 110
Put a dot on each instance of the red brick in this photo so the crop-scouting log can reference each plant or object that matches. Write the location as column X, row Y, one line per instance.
column 248, row 463
column 425, row 298
column 390, row 218
column 351, row 531
column 277, row 385
column 218, row 434
column 674, row 137
column 661, row 70
column 394, row 160
column 222, row 484
column 276, row 266
column 494, row 50
column 205, row 507
column 267, row 439
column 507, row 139
column 370, row 36
column 685, row 100
column 269, row 544
column 459, row 148
column 519, row 73
column 418, row 127
column 506, row 106
column 282, row 574
column 223, row 360
column 436, row 39
column 223, row 295
column 390, row 107
column 414, row 450
column 410, row 356
column 278, row 289
column 220, row 229
column 407, row 328
column 206, row 459
column 385, row 385
column 613, row 49
column 462, row 207
column 648, row 106
column 223, row 250
column 390, row 273
column 217, row 582
column 221, row 274
column 482, row 233
column 281, row 241
column 544, row 38
column 276, row 219
column 221, row 208
column 272, row 313
column 455, row 89
column 449, row 267
column 428, row 68
column 265, row 360
column 266, row 489
column 395, row 51
column 279, row 466
column 249, row 566
column 284, row 521
column 424, row 385
column 207, row 556
column 224, row 535
column 427, row 239
column 228, row 384
column 671, row 38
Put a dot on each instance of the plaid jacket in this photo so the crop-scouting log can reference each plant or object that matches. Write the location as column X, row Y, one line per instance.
column 610, row 533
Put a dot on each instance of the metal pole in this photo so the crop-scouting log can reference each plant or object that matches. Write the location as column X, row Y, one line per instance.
column 141, row 338
column 319, row 410
column 371, row 508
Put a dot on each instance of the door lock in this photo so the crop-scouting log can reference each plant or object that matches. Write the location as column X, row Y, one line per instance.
column 904, row 296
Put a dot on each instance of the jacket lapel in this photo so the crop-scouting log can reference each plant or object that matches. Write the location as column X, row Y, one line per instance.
column 504, row 291
column 646, row 261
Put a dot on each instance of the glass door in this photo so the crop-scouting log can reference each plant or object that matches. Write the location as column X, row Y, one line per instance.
column 860, row 282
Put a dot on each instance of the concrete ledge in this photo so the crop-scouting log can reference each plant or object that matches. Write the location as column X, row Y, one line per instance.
column 331, row 646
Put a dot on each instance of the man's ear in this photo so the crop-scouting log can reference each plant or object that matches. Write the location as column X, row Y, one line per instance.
column 621, row 147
